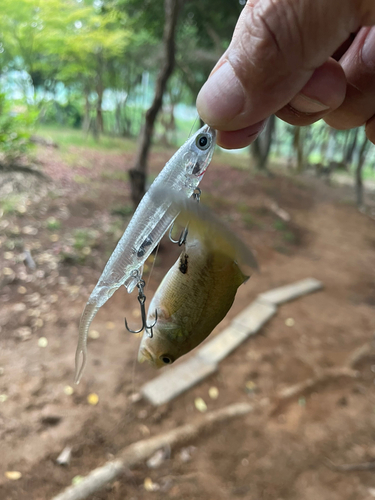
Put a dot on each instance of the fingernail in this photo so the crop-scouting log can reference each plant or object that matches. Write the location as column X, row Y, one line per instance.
column 304, row 104
column 368, row 50
column 222, row 97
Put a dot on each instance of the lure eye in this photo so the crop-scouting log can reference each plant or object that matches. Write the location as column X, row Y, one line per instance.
column 166, row 359
column 203, row 142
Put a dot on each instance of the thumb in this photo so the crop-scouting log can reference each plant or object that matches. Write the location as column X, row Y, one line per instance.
column 276, row 47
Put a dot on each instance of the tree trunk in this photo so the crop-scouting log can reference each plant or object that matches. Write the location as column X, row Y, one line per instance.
column 298, row 148
column 138, row 172
column 261, row 147
column 358, row 172
column 86, row 119
column 350, row 147
column 99, row 111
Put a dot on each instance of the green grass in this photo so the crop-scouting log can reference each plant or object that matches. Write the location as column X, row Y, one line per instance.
column 53, row 224
column 66, row 137
column 11, row 204
column 115, row 175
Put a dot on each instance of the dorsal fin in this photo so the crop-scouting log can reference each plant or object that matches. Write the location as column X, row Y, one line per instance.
column 207, row 227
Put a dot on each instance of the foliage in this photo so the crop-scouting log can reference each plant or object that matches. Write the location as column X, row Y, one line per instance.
column 16, row 124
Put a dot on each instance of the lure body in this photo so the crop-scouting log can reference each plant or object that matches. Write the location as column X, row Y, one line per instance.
column 197, row 292
column 154, row 215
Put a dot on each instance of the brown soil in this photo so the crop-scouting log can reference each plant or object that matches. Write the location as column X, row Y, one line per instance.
column 281, row 455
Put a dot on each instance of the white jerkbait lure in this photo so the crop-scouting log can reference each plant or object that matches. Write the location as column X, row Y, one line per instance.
column 151, row 220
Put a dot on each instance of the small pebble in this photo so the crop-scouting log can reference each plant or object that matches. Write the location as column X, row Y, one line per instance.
column 68, row 390
column 289, row 322
column 3, row 398
column 65, row 456
column 157, row 459
column 22, row 290
column 38, row 323
column 135, row 397
column 110, row 325
column 142, row 414
column 19, row 307
column 185, row 453
column 7, row 271
column 54, row 238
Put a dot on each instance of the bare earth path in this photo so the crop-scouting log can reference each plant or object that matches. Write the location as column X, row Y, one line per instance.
column 265, row 455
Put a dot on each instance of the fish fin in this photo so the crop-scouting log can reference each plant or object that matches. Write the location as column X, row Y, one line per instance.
column 204, row 225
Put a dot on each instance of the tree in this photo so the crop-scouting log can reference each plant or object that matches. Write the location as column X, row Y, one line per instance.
column 363, row 150
column 261, row 147
column 138, row 172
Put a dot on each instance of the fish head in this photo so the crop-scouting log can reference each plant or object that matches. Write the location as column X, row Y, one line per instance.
column 200, row 149
column 165, row 346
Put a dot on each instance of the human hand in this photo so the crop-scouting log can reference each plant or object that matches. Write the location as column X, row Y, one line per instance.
column 300, row 59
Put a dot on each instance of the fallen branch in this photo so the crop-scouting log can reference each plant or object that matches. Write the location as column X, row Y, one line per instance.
column 351, row 467
column 141, row 450
column 325, row 375
column 322, row 376
column 364, row 351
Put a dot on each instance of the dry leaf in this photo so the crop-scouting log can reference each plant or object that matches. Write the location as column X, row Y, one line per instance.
column 213, row 392
column 42, row 342
column 68, row 390
column 93, row 399
column 200, row 405
column 149, row 485
column 13, row 475
column 94, row 334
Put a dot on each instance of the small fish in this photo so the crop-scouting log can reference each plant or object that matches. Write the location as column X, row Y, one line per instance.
column 198, row 291
column 151, row 220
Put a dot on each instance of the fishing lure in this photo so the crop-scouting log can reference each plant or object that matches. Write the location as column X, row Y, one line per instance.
column 182, row 173
column 198, row 291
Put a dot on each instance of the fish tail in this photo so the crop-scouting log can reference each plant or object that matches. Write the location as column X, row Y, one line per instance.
column 88, row 315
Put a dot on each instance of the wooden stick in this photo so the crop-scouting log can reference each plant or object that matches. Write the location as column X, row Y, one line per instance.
column 363, row 466
column 141, row 450
column 322, row 376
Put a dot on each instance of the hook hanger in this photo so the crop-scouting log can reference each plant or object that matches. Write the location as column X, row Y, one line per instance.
column 142, row 299
column 183, row 236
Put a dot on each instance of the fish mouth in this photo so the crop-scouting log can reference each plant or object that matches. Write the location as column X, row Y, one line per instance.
column 144, row 355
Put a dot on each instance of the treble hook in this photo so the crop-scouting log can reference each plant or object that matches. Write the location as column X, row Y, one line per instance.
column 142, row 299
column 183, row 236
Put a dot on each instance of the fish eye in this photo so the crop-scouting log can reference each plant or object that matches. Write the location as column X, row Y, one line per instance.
column 203, row 142
column 166, row 359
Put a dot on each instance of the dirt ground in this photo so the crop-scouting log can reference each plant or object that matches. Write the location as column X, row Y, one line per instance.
column 70, row 227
